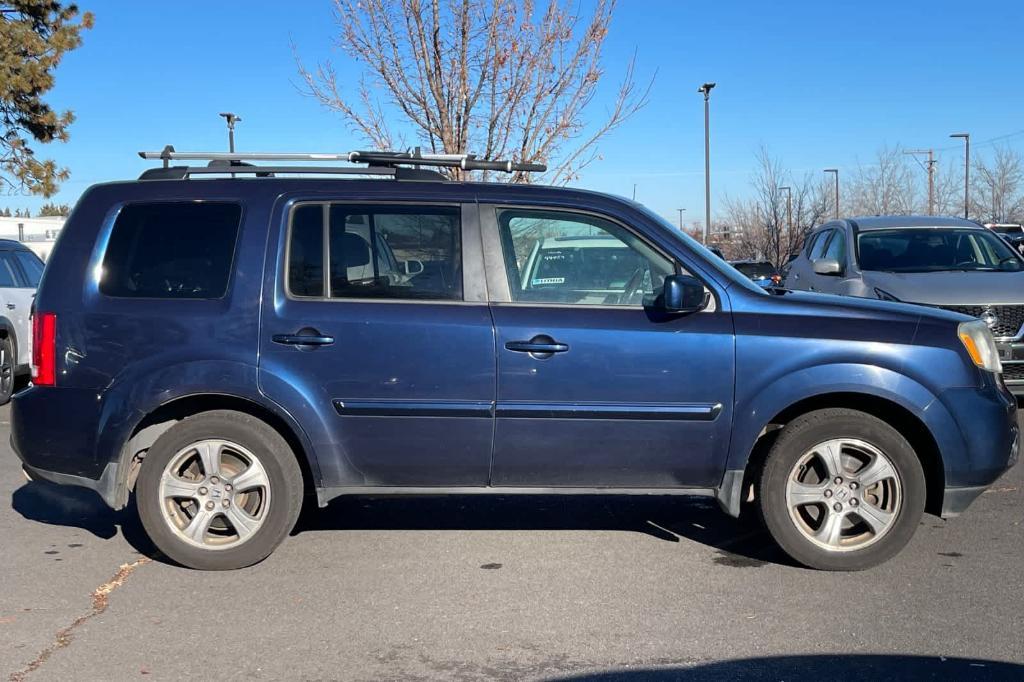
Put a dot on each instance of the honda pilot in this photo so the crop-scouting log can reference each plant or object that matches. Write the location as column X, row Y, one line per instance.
column 217, row 342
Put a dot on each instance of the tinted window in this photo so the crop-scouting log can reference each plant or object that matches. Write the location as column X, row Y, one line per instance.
column 306, row 251
column 8, row 278
column 31, row 266
column 554, row 257
column 171, row 250
column 836, row 249
column 820, row 242
column 929, row 250
column 402, row 252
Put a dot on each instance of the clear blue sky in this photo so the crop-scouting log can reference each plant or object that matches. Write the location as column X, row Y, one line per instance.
column 821, row 84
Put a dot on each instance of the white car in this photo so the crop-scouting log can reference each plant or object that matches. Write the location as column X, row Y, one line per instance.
column 20, row 270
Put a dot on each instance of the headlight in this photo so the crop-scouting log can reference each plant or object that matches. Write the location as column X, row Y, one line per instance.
column 885, row 295
column 977, row 339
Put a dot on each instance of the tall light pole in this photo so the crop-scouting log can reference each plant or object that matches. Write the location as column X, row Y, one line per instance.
column 967, row 170
column 706, row 91
column 681, row 218
column 835, row 171
column 634, row 191
column 231, row 120
column 789, row 208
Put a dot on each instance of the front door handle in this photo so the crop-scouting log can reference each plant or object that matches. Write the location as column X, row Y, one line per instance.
column 303, row 339
column 11, row 306
column 541, row 346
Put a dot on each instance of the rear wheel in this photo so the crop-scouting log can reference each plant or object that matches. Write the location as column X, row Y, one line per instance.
column 842, row 490
column 219, row 490
column 7, row 365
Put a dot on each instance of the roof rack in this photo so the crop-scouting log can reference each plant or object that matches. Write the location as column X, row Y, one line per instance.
column 393, row 164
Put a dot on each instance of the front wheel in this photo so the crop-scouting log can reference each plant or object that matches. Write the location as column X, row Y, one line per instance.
column 841, row 490
column 219, row 490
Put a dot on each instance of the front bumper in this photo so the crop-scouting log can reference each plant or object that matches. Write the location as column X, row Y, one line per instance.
column 1011, row 354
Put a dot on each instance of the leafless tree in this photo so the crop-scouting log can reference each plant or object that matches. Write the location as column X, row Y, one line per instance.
column 759, row 224
column 888, row 186
column 498, row 78
column 996, row 190
column 949, row 188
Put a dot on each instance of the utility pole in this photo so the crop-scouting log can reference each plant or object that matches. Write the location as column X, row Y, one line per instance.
column 634, row 191
column 681, row 219
column 789, row 208
column 967, row 170
column 930, row 169
column 231, row 120
column 835, row 171
column 706, row 91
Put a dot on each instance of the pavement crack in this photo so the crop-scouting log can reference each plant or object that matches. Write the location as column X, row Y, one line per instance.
column 64, row 636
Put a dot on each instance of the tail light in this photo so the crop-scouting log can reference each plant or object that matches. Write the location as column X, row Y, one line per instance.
column 44, row 349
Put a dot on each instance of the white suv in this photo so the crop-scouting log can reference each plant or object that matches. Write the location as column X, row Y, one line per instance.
column 20, row 270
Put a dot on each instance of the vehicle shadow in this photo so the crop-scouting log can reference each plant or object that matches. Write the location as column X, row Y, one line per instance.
column 60, row 505
column 818, row 667
column 740, row 542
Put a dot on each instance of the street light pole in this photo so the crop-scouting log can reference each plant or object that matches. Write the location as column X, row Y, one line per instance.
column 634, row 191
column 835, row 171
column 706, row 91
column 967, row 170
column 231, row 120
column 789, row 208
column 681, row 218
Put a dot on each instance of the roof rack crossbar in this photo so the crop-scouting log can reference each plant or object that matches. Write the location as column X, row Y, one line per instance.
column 373, row 158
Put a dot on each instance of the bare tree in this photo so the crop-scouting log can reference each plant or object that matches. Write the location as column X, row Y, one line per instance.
column 499, row 78
column 996, row 190
column 889, row 186
column 949, row 188
column 759, row 224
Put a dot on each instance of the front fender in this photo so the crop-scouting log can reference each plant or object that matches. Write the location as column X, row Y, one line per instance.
column 756, row 412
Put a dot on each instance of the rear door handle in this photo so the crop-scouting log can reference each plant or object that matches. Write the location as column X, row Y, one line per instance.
column 303, row 340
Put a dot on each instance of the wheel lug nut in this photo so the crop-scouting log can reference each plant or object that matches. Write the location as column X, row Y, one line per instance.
column 839, row 479
column 209, row 506
column 214, row 480
column 828, row 493
column 203, row 490
column 853, row 485
column 227, row 486
column 225, row 504
column 838, row 507
column 854, row 502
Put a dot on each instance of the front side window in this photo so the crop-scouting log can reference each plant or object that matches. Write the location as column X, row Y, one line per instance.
column 171, row 250
column 560, row 257
column 358, row 251
column 820, row 242
column 836, row 249
column 934, row 250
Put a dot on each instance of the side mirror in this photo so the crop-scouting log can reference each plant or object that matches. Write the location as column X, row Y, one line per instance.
column 827, row 266
column 412, row 266
column 682, row 294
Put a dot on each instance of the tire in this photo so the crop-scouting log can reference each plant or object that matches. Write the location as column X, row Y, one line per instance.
column 194, row 529
column 847, row 526
column 7, row 365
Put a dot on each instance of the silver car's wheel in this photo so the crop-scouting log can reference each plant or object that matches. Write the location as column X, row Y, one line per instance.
column 214, row 494
column 843, row 494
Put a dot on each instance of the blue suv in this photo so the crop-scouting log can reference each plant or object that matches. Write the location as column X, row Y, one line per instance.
column 220, row 348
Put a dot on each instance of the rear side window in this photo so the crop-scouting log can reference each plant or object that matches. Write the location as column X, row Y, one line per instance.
column 171, row 250
column 8, row 278
column 396, row 252
column 31, row 265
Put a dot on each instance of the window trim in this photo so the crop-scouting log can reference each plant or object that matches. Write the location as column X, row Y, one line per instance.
column 110, row 222
column 285, row 260
column 499, row 286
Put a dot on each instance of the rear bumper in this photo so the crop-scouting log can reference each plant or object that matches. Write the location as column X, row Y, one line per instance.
column 105, row 486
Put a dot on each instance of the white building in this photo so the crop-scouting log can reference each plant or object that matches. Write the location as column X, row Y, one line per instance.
column 38, row 234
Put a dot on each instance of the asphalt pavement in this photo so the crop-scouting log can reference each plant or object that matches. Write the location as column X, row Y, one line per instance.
column 467, row 588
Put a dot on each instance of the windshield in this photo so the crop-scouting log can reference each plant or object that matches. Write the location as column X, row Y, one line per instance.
column 934, row 250
column 756, row 270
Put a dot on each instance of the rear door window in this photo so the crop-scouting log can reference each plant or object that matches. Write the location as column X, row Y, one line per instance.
column 8, row 271
column 178, row 250
column 31, row 267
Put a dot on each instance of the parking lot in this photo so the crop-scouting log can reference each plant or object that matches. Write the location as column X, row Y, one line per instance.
column 507, row 588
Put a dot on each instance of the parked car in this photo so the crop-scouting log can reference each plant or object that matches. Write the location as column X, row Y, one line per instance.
column 221, row 347
column 20, row 270
column 941, row 262
column 1013, row 233
column 762, row 273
